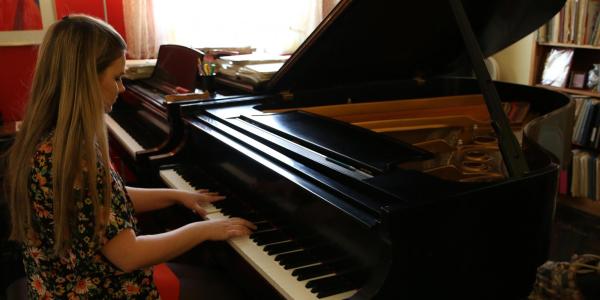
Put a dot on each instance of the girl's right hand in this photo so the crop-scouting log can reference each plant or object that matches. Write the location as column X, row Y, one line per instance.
column 218, row 230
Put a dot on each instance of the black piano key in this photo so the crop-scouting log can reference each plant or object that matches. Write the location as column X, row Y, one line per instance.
column 235, row 211
column 261, row 225
column 278, row 248
column 269, row 237
column 335, row 288
column 297, row 259
column 339, row 283
column 316, row 284
column 312, row 271
column 336, row 265
column 331, row 285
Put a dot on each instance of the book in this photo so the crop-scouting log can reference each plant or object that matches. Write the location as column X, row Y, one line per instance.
column 254, row 69
column 576, row 173
column 594, row 126
column 597, row 183
column 581, row 105
column 593, row 7
column 563, row 182
column 222, row 51
column 254, row 58
column 259, row 72
column 588, row 124
column 591, row 177
column 585, row 173
column 139, row 68
column 557, row 67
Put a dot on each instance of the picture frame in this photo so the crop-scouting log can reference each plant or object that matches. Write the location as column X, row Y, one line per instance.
column 29, row 37
column 577, row 80
column 557, row 67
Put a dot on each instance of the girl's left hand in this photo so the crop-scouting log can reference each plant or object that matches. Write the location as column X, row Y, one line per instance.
column 196, row 201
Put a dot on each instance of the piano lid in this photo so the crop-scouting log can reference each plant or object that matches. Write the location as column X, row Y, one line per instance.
column 377, row 40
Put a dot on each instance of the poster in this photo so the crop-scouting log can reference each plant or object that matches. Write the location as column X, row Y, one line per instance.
column 23, row 22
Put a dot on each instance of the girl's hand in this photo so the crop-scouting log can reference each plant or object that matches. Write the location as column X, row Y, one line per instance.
column 223, row 229
column 195, row 200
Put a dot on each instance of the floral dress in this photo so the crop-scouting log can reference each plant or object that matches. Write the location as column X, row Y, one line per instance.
column 82, row 272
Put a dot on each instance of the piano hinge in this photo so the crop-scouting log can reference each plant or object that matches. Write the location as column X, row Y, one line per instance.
column 286, row 95
column 419, row 80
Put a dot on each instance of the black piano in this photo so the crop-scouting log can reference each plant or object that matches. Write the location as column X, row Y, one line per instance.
column 376, row 169
column 144, row 124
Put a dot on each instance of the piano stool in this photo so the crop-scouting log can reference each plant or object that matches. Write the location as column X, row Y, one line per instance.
column 17, row 290
column 177, row 281
column 166, row 282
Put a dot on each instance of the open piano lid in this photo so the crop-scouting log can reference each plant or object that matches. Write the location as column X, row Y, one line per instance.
column 378, row 40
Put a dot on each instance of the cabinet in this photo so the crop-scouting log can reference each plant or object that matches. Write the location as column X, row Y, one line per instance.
column 576, row 30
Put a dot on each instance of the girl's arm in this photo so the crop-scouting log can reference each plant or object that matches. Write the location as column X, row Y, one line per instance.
column 152, row 199
column 130, row 252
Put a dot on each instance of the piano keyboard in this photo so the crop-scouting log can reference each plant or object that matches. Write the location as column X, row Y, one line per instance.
column 128, row 142
column 285, row 263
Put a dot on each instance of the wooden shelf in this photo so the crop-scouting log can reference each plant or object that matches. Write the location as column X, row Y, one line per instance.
column 563, row 45
column 584, row 92
column 587, row 205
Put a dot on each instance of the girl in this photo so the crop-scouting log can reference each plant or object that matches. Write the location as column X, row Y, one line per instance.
column 69, row 209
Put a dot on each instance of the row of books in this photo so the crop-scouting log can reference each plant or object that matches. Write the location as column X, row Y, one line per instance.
column 248, row 72
column 586, row 130
column 253, row 68
column 576, row 23
column 139, row 68
column 585, row 174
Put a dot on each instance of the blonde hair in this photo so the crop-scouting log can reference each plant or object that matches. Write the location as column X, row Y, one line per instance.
column 66, row 97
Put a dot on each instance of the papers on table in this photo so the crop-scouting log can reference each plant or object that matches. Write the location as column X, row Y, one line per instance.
column 139, row 68
column 251, row 68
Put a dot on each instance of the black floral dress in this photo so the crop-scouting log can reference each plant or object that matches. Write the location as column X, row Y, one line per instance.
column 82, row 272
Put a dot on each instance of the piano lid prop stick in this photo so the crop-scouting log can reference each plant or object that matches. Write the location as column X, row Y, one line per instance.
column 187, row 96
column 514, row 159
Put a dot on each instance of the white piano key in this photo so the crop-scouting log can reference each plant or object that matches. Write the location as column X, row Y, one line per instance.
column 173, row 180
column 281, row 279
column 130, row 144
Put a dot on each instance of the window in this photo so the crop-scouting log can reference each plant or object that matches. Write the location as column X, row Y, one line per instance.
column 273, row 26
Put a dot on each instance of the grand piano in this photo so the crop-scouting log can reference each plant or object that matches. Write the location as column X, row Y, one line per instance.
column 145, row 124
column 374, row 168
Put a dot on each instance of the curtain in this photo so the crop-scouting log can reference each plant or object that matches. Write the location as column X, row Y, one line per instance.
column 328, row 5
column 273, row 26
column 140, row 29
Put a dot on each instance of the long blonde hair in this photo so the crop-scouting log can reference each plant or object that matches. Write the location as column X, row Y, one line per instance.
column 66, row 97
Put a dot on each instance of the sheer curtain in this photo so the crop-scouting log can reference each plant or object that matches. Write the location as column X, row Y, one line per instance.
column 140, row 29
column 273, row 26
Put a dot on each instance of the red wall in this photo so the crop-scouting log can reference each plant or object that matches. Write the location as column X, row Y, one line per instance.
column 17, row 63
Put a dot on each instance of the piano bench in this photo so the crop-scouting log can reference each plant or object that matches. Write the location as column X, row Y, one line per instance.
column 182, row 281
column 17, row 290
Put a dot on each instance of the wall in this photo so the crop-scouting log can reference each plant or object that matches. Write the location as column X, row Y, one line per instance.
column 515, row 61
column 17, row 62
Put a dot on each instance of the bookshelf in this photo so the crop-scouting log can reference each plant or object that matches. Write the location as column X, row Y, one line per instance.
column 582, row 204
column 583, row 59
column 575, row 30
